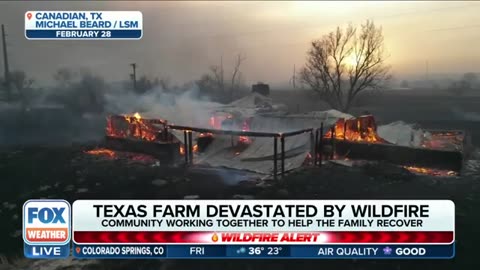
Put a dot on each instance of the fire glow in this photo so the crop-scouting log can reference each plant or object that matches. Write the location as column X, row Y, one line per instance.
column 430, row 171
column 107, row 153
column 101, row 151
column 245, row 127
column 133, row 126
column 360, row 129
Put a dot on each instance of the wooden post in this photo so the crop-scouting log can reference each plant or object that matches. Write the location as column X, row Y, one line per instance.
column 190, row 147
column 165, row 132
column 315, row 149
column 332, row 155
column 282, row 145
column 133, row 75
column 320, row 146
column 275, row 158
column 185, row 146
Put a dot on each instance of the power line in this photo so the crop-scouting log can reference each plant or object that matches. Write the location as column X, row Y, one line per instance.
column 454, row 28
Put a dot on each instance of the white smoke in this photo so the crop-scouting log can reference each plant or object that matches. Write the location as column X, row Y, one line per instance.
column 187, row 107
column 466, row 116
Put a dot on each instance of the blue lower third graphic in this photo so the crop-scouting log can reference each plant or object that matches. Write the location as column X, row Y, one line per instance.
column 266, row 251
column 46, row 251
column 83, row 34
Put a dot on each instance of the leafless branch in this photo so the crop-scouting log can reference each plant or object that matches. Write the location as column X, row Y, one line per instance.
column 337, row 80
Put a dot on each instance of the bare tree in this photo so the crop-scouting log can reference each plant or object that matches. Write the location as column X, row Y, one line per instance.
column 236, row 74
column 215, row 84
column 23, row 85
column 466, row 83
column 20, row 81
column 470, row 78
column 346, row 62
column 80, row 90
column 65, row 76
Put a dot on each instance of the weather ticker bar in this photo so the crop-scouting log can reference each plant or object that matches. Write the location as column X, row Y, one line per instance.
column 264, row 251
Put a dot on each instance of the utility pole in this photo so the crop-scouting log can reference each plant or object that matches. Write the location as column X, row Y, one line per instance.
column 5, row 62
column 222, row 83
column 294, row 78
column 426, row 70
column 134, row 76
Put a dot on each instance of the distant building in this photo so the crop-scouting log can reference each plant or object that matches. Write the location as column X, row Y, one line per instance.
column 261, row 88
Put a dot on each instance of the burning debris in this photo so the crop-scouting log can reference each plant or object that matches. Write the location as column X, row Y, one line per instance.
column 453, row 140
column 243, row 135
column 430, row 171
column 438, row 153
column 360, row 129
column 110, row 154
column 134, row 127
column 101, row 151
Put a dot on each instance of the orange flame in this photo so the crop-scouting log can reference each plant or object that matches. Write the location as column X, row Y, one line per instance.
column 245, row 127
column 132, row 126
column 182, row 149
column 430, row 171
column 101, row 151
column 361, row 129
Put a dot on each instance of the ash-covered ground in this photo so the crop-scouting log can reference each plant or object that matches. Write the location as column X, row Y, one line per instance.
column 68, row 172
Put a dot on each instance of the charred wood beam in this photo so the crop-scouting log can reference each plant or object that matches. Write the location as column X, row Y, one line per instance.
column 402, row 155
column 275, row 158
column 185, row 146
column 332, row 130
column 315, row 149
column 282, row 145
column 190, row 147
column 146, row 120
column 167, row 153
column 320, row 145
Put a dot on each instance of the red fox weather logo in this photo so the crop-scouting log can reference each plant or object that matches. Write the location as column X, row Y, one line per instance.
column 46, row 229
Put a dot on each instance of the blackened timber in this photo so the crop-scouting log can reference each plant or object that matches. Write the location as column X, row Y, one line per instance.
column 165, row 132
column 185, row 146
column 275, row 158
column 332, row 131
column 190, row 147
column 320, row 145
column 167, row 153
column 145, row 120
column 315, row 150
column 282, row 145
column 402, row 155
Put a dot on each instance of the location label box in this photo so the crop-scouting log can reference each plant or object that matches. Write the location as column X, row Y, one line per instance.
column 83, row 25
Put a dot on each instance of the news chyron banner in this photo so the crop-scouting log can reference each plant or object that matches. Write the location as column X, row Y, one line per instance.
column 314, row 229
column 83, row 25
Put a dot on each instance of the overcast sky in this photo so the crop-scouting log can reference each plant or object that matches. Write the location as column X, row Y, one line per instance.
column 182, row 39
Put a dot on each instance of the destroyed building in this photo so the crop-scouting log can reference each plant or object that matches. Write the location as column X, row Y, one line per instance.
column 257, row 135
column 261, row 88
